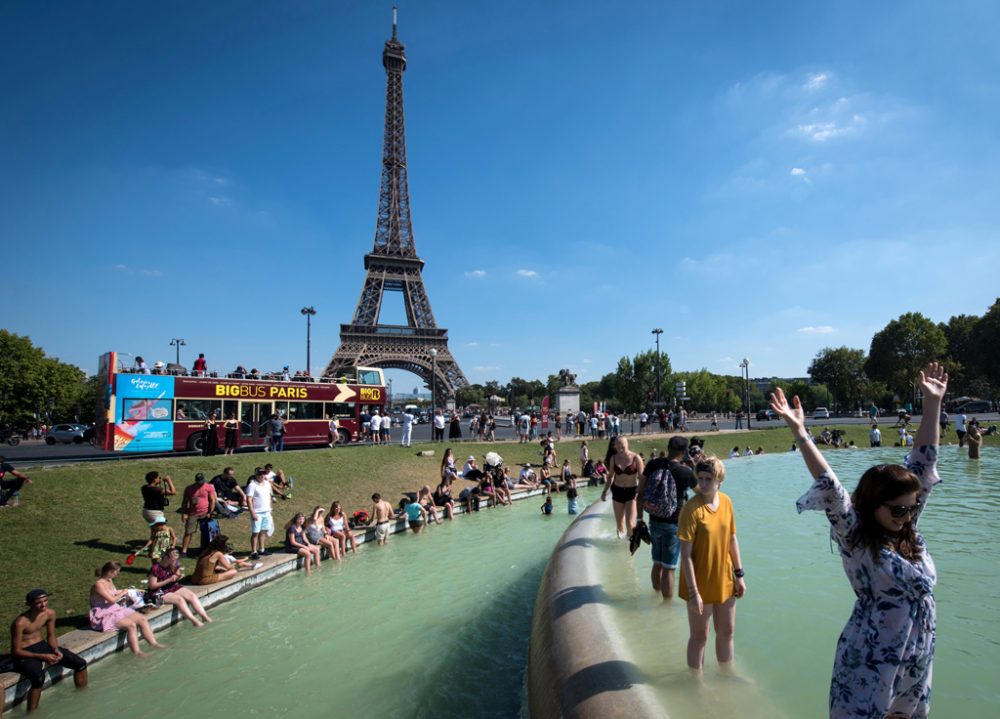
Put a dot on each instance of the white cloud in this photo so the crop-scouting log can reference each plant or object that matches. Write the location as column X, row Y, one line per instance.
column 587, row 360
column 142, row 272
column 820, row 330
column 487, row 368
column 221, row 201
column 726, row 360
column 797, row 172
column 471, row 344
column 527, row 273
column 476, row 273
column 221, row 181
column 816, row 80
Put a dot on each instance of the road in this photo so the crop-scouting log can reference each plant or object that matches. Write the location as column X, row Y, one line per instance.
column 36, row 452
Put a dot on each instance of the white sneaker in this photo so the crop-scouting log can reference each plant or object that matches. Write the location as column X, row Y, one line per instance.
column 257, row 565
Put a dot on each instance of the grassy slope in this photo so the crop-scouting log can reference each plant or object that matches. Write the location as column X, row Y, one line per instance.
column 75, row 518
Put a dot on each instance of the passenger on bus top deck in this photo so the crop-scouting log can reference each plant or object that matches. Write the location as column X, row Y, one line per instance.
column 140, row 365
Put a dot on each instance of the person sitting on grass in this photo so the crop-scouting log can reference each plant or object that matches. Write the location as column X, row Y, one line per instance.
column 31, row 653
column 317, row 534
column 213, row 563
column 230, row 499
column 448, row 470
column 107, row 614
column 427, row 502
column 164, row 582
column 338, row 528
column 296, row 542
column 282, row 484
column 10, row 487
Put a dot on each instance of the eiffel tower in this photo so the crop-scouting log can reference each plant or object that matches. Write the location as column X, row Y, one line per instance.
column 393, row 265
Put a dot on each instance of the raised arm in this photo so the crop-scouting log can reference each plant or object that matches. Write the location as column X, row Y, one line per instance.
column 795, row 419
column 933, row 383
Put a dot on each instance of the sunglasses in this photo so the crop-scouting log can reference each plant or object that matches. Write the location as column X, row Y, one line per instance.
column 898, row 511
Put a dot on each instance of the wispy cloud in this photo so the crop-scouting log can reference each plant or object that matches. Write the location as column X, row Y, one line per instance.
column 797, row 172
column 816, row 80
column 727, row 360
column 487, row 368
column 471, row 344
column 587, row 360
column 476, row 273
column 820, row 330
column 138, row 271
column 527, row 273
column 221, row 201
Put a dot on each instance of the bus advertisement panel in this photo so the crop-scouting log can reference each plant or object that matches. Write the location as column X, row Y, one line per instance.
column 143, row 413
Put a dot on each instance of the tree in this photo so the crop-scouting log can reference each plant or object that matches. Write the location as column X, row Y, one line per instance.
column 842, row 370
column 985, row 340
column 901, row 349
column 963, row 368
column 33, row 385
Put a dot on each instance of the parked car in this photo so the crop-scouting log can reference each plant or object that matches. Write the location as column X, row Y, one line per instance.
column 976, row 405
column 66, row 433
column 763, row 415
column 821, row 413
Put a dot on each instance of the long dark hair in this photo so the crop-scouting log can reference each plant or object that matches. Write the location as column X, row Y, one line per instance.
column 879, row 485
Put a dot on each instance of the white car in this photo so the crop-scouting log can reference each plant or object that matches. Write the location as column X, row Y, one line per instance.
column 821, row 413
column 66, row 433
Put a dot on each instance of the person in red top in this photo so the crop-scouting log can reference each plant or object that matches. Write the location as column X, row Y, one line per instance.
column 199, row 500
column 200, row 365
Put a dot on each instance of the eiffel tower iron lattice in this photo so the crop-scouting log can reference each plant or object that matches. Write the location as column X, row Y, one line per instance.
column 393, row 266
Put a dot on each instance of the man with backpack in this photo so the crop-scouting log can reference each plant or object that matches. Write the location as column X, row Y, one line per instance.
column 662, row 490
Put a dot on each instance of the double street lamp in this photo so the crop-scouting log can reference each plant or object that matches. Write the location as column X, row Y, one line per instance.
column 178, row 343
column 308, row 312
column 658, row 331
column 745, row 365
column 434, row 354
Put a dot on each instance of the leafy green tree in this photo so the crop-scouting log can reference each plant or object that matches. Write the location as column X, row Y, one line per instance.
column 842, row 369
column 32, row 385
column 901, row 349
column 470, row 394
column 985, row 340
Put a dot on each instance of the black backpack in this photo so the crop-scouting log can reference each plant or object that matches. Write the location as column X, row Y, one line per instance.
column 660, row 497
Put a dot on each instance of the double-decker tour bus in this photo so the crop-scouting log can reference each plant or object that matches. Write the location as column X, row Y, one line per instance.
column 160, row 412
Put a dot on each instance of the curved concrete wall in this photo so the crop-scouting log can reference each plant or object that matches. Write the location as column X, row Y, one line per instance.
column 577, row 664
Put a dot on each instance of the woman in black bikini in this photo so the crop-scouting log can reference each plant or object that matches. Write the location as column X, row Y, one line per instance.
column 623, row 480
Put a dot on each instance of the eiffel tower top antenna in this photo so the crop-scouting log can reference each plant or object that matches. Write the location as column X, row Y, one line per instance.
column 394, row 8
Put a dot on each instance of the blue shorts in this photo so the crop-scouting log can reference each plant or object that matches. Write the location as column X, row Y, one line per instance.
column 665, row 546
column 263, row 523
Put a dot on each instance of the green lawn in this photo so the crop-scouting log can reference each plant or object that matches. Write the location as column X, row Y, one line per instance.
column 75, row 518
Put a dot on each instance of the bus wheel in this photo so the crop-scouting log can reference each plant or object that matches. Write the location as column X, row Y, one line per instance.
column 344, row 436
column 196, row 442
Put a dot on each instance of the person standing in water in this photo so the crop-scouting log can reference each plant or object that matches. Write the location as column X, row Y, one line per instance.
column 882, row 666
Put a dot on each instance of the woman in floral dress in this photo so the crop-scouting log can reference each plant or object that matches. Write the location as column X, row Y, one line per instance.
column 883, row 661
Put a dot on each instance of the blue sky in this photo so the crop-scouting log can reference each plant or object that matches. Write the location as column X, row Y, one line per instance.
column 758, row 179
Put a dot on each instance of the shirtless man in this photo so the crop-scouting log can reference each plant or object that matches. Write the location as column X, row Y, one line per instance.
column 31, row 653
column 382, row 512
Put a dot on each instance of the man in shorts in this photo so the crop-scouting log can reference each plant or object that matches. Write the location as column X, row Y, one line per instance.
column 31, row 653
column 260, row 498
column 381, row 514
column 664, row 544
column 198, row 504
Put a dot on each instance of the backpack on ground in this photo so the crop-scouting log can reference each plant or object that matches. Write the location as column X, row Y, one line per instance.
column 660, row 497
column 209, row 531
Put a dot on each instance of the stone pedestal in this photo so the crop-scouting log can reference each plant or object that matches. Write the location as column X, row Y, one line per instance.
column 568, row 399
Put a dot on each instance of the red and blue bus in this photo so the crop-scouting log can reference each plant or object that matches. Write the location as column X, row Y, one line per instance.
column 162, row 412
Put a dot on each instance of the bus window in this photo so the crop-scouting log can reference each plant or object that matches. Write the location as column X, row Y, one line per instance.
column 146, row 409
column 340, row 410
column 305, row 410
column 197, row 410
column 281, row 409
column 370, row 376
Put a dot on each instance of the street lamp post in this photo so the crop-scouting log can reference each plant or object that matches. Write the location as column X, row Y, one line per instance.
column 178, row 343
column 434, row 354
column 745, row 364
column 308, row 312
column 659, row 380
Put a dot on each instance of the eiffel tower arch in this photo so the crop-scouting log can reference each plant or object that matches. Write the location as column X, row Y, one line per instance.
column 393, row 266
